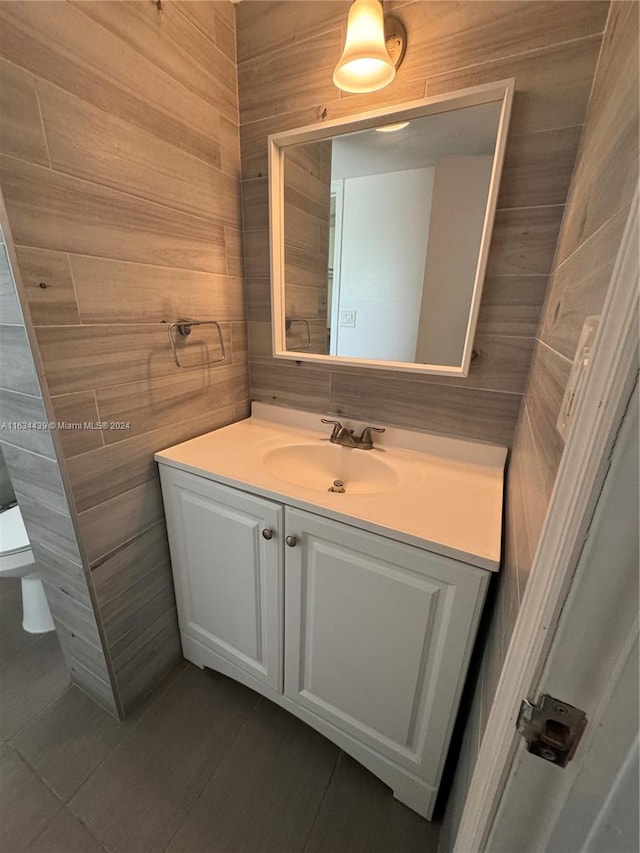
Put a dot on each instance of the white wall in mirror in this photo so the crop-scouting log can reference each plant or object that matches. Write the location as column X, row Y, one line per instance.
column 379, row 239
column 377, row 291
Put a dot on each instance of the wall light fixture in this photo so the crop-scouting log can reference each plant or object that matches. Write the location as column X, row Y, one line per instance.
column 373, row 49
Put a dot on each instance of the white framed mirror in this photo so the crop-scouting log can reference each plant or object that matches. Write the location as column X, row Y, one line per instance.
column 380, row 232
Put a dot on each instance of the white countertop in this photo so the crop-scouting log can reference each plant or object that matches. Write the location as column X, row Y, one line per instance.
column 446, row 495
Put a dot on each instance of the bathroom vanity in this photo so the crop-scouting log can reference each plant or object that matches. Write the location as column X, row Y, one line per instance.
column 355, row 610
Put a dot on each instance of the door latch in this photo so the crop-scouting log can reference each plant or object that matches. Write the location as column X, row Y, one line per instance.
column 552, row 729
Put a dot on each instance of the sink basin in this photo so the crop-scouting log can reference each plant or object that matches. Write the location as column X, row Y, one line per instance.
column 316, row 466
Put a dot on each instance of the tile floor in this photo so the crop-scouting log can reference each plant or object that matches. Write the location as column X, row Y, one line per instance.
column 205, row 765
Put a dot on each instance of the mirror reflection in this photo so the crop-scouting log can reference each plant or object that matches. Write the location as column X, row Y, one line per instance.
column 382, row 231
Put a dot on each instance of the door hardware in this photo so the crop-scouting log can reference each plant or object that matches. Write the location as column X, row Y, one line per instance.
column 552, row 728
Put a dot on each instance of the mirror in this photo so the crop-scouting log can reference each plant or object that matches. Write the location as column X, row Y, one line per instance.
column 380, row 230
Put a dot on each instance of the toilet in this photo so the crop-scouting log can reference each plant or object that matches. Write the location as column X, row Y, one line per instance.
column 16, row 561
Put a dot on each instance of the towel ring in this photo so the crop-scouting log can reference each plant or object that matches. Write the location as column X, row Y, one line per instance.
column 184, row 327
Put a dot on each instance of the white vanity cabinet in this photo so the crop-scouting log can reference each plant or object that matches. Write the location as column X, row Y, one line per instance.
column 377, row 639
column 365, row 638
column 227, row 575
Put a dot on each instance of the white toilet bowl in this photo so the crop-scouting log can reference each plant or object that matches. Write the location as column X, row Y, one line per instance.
column 16, row 561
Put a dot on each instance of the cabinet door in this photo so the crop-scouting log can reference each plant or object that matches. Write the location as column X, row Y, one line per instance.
column 378, row 637
column 226, row 574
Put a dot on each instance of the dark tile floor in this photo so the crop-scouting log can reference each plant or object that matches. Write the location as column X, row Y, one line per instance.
column 205, row 765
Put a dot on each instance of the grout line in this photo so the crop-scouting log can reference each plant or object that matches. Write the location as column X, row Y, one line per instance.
column 547, row 130
column 296, row 41
column 154, row 64
column 237, row 81
column 148, row 432
column 530, row 207
column 87, row 828
column 188, row 151
column 64, row 806
column 79, row 818
column 32, row 452
column 481, row 687
column 512, row 56
column 25, row 723
column 461, row 383
column 544, row 275
column 105, row 187
column 215, row 769
column 125, row 324
column 73, row 793
column 102, row 558
column 255, row 178
column 540, row 459
column 74, row 288
column 510, row 526
column 180, row 669
column 35, row 78
column 502, row 58
column 23, row 394
column 36, row 717
column 322, row 799
column 123, row 260
column 585, row 242
column 598, row 64
column 554, row 351
column 315, row 108
column 150, row 381
column 49, row 509
column 211, row 39
column 162, row 566
column 505, row 335
column 155, row 324
column 226, row 243
column 101, row 432
column 53, row 817
column 126, row 733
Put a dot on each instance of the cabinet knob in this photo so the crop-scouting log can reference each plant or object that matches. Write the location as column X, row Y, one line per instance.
column 291, row 541
column 267, row 534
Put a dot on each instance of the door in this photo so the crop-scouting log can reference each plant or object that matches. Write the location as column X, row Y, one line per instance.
column 378, row 637
column 385, row 225
column 591, row 805
column 554, row 615
column 226, row 573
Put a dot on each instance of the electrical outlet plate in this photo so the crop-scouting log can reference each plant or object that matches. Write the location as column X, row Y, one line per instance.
column 348, row 319
column 581, row 362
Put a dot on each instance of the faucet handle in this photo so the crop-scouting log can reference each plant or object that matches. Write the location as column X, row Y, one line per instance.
column 337, row 426
column 365, row 441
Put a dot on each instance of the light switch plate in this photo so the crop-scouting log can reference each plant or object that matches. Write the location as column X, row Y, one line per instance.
column 581, row 362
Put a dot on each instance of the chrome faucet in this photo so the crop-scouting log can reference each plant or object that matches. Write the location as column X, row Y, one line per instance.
column 345, row 437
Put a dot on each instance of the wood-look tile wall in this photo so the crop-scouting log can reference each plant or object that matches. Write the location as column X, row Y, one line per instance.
column 29, row 460
column 120, row 166
column 307, row 210
column 604, row 180
column 286, row 54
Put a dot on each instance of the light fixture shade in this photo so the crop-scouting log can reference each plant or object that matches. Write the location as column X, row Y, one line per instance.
column 365, row 65
column 392, row 128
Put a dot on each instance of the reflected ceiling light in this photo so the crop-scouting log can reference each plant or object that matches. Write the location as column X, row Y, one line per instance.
column 391, row 128
column 373, row 49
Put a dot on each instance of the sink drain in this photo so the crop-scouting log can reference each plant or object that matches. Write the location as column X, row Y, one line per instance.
column 338, row 486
